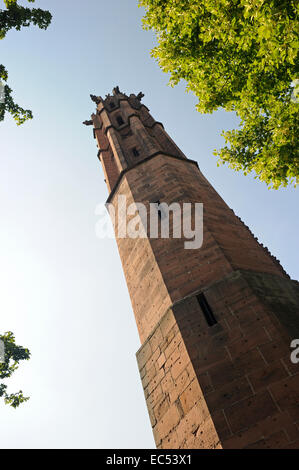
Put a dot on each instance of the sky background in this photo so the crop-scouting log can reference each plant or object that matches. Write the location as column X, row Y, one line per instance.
column 62, row 290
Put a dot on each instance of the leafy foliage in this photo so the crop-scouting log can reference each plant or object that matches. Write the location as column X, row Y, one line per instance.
column 16, row 17
column 12, row 357
column 240, row 55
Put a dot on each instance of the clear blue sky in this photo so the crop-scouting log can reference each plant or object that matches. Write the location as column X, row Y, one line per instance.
column 62, row 290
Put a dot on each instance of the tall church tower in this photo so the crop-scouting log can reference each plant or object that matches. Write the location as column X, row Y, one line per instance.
column 216, row 322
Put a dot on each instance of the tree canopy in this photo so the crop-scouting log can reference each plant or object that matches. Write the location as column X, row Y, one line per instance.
column 9, row 363
column 17, row 17
column 240, row 55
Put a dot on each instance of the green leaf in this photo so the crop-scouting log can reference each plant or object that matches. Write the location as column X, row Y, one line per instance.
column 240, row 56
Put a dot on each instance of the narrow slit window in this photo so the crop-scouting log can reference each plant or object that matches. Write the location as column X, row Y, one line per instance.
column 135, row 152
column 206, row 309
column 120, row 120
column 112, row 105
column 160, row 213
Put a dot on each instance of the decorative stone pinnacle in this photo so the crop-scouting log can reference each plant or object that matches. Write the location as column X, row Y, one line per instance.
column 140, row 96
column 96, row 99
column 116, row 90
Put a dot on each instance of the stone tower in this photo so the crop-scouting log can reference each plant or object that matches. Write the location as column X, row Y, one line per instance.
column 215, row 323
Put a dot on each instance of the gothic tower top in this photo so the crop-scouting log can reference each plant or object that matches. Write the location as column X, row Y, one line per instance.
column 127, row 134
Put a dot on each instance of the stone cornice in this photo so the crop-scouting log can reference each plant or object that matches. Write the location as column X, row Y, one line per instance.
column 109, row 110
column 104, row 150
column 96, row 129
column 193, row 162
column 124, row 126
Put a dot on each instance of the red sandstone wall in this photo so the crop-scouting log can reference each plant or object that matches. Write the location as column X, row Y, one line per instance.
column 231, row 385
column 161, row 271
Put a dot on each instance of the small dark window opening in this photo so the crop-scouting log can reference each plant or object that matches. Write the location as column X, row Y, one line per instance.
column 120, row 120
column 112, row 105
column 160, row 213
column 206, row 309
column 135, row 152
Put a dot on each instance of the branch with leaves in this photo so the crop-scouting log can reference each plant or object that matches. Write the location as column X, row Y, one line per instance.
column 241, row 56
column 13, row 355
column 17, row 17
